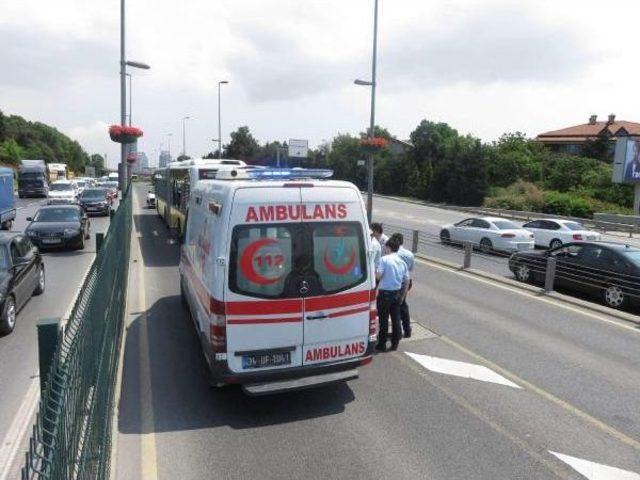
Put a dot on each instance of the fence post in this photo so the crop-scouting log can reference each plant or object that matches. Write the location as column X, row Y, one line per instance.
column 414, row 241
column 468, row 248
column 550, row 274
column 48, row 329
column 99, row 241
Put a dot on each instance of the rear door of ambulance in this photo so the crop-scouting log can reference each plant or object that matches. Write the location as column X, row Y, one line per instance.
column 337, row 315
column 263, row 308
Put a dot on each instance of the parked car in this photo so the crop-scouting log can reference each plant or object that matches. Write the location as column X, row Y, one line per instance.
column 608, row 270
column 551, row 233
column 21, row 276
column 62, row 192
column 58, row 227
column 95, row 201
column 488, row 234
column 151, row 199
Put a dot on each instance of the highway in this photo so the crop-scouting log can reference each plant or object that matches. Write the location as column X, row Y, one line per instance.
column 65, row 271
column 496, row 383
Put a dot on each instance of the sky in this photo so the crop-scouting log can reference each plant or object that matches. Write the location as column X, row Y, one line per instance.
column 485, row 67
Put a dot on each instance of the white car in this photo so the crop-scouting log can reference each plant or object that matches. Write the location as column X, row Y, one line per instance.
column 552, row 233
column 488, row 233
column 62, row 192
column 151, row 199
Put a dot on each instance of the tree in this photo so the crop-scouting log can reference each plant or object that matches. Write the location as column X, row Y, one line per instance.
column 343, row 159
column 3, row 127
column 242, row 145
column 97, row 161
column 599, row 148
column 183, row 157
column 514, row 157
column 10, row 152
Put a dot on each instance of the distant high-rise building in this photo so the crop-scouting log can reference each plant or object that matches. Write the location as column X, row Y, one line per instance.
column 164, row 159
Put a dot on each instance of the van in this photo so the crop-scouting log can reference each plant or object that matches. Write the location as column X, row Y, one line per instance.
column 276, row 270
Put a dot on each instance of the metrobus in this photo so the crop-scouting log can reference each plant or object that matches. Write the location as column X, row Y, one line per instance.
column 174, row 182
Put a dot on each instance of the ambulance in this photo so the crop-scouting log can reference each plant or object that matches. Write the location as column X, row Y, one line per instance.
column 276, row 271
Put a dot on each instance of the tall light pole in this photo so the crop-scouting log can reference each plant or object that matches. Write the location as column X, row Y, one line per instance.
column 222, row 82
column 184, row 135
column 122, row 169
column 130, row 97
column 372, row 84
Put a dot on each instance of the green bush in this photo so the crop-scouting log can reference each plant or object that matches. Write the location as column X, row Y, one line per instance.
column 520, row 196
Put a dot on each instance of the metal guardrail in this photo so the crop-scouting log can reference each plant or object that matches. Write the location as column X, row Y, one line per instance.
column 71, row 438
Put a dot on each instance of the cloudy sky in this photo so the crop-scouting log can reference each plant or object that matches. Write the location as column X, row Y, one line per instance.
column 485, row 67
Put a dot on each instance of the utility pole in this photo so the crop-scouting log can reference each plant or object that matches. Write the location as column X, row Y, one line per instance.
column 373, row 113
column 122, row 169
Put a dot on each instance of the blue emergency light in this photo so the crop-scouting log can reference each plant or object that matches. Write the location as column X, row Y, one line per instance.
column 288, row 173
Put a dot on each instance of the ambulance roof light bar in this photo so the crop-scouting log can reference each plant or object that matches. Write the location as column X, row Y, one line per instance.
column 274, row 174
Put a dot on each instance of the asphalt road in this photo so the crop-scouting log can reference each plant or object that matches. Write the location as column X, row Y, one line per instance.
column 18, row 350
column 500, row 384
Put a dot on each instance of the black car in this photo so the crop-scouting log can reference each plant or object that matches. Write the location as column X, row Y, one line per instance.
column 95, row 201
column 59, row 226
column 608, row 270
column 21, row 276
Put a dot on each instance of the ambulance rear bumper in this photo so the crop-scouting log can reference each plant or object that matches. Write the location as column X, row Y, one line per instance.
column 323, row 371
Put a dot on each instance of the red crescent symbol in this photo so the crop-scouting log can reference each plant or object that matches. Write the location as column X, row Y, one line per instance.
column 246, row 262
column 340, row 270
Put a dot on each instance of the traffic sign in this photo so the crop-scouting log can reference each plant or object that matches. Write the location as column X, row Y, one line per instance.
column 298, row 148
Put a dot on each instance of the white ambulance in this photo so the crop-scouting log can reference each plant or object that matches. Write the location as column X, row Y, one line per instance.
column 276, row 271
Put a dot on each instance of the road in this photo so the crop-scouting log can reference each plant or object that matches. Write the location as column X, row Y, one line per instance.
column 496, row 383
column 18, row 351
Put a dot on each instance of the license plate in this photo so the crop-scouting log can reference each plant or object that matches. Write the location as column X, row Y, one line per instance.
column 266, row 360
column 92, row 209
column 522, row 246
column 51, row 240
column 591, row 237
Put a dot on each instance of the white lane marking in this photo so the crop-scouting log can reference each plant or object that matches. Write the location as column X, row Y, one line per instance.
column 19, row 427
column 596, row 471
column 461, row 369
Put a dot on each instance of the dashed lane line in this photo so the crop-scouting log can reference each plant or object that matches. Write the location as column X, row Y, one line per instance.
column 596, row 471
column 460, row 369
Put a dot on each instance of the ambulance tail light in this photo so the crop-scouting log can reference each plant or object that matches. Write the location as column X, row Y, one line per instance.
column 218, row 333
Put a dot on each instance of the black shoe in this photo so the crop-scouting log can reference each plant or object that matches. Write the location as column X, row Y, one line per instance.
column 381, row 347
column 394, row 346
column 407, row 334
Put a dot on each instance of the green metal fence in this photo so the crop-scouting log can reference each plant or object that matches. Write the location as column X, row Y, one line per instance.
column 72, row 434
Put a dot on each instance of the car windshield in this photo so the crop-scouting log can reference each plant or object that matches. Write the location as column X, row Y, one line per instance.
column 94, row 193
column 633, row 256
column 61, row 187
column 31, row 176
column 57, row 215
column 574, row 225
column 81, row 184
column 505, row 225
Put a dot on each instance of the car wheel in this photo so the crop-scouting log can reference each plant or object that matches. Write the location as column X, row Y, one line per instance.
column 41, row 281
column 614, row 296
column 523, row 273
column 445, row 236
column 555, row 243
column 485, row 245
column 8, row 318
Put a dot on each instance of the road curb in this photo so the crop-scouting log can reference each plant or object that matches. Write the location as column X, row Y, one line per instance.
column 627, row 317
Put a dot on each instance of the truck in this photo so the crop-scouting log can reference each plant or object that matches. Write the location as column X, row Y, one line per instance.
column 32, row 179
column 57, row 171
column 7, row 199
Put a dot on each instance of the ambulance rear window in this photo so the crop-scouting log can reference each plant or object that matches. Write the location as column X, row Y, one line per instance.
column 338, row 255
column 261, row 260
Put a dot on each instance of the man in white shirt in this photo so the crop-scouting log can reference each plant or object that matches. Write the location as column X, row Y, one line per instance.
column 409, row 259
column 393, row 281
column 379, row 235
column 377, row 252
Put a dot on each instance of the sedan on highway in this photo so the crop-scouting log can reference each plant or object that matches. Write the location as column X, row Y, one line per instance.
column 489, row 234
column 608, row 270
column 95, row 201
column 551, row 233
column 21, row 276
column 151, row 199
column 62, row 192
column 59, row 227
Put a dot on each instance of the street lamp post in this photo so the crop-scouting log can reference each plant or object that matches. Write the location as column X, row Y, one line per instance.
column 222, row 82
column 123, row 172
column 371, row 84
column 130, row 98
column 184, row 135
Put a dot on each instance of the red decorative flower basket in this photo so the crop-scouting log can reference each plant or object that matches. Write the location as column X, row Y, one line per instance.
column 373, row 145
column 124, row 133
